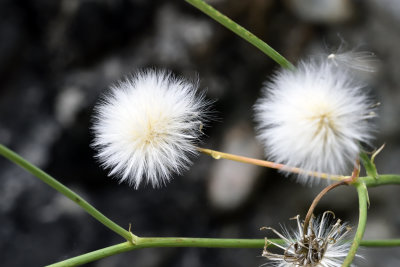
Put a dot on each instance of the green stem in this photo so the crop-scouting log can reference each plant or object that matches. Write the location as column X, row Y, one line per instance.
column 383, row 179
column 242, row 32
column 362, row 221
column 368, row 164
column 95, row 255
column 152, row 242
column 380, row 243
column 12, row 156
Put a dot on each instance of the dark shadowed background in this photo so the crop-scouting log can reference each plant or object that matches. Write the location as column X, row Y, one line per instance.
column 57, row 57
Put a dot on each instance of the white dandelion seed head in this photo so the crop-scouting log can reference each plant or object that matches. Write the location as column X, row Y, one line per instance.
column 147, row 127
column 314, row 118
column 322, row 245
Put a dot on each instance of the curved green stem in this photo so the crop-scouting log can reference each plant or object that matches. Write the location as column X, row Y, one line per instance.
column 242, row 32
column 362, row 220
column 12, row 156
column 152, row 242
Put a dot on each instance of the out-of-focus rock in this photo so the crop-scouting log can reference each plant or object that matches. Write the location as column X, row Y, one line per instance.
column 232, row 182
column 68, row 103
column 391, row 7
column 59, row 206
column 322, row 11
column 36, row 147
column 178, row 34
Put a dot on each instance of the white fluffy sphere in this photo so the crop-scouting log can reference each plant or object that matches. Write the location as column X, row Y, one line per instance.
column 147, row 127
column 314, row 118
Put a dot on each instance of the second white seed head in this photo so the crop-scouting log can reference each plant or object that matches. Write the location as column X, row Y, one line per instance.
column 314, row 118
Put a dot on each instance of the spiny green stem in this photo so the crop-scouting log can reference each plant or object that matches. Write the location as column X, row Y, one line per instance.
column 242, row 32
column 362, row 220
column 368, row 164
column 152, row 242
column 12, row 156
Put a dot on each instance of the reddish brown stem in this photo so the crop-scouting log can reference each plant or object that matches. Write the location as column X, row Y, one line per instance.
column 218, row 155
column 350, row 180
column 316, row 200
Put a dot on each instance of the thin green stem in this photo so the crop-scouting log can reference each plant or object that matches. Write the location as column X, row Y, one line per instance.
column 383, row 179
column 380, row 243
column 152, row 242
column 95, row 255
column 242, row 32
column 12, row 156
column 362, row 221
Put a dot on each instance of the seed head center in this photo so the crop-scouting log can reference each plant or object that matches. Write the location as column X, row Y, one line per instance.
column 323, row 120
column 154, row 133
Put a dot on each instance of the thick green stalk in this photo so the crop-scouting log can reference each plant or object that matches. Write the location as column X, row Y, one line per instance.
column 362, row 221
column 12, row 156
column 242, row 32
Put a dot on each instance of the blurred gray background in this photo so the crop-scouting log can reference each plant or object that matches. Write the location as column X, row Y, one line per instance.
column 57, row 57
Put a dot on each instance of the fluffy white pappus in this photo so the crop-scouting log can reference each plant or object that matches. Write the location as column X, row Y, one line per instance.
column 357, row 60
column 314, row 118
column 147, row 127
column 322, row 245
